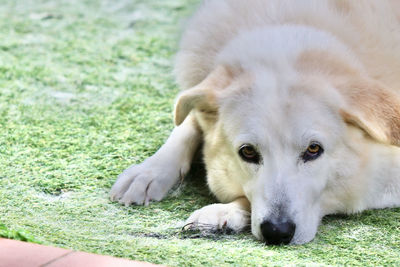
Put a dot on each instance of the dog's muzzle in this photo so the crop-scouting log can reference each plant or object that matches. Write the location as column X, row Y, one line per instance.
column 277, row 233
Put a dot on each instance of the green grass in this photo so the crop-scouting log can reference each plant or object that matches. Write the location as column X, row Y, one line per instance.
column 86, row 90
column 17, row 235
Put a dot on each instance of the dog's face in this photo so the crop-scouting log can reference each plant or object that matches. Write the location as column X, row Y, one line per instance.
column 291, row 146
column 295, row 141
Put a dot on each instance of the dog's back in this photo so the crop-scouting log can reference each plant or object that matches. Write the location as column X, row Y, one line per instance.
column 371, row 29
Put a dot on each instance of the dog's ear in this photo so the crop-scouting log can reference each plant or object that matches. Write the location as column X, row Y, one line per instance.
column 375, row 109
column 204, row 95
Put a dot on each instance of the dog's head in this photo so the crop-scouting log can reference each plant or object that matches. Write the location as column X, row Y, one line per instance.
column 297, row 131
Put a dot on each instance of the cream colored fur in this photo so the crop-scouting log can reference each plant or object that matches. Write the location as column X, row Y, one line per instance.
column 279, row 74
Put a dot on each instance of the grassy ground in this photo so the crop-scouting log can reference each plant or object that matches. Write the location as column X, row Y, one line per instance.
column 86, row 90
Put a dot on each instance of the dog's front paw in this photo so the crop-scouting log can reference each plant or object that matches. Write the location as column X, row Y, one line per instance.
column 150, row 180
column 219, row 217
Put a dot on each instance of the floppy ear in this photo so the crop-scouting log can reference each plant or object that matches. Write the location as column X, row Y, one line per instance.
column 375, row 109
column 202, row 96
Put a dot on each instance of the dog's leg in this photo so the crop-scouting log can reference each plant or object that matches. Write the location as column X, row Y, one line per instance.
column 152, row 179
column 231, row 216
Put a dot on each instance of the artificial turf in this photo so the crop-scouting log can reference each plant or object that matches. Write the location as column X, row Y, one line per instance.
column 86, row 90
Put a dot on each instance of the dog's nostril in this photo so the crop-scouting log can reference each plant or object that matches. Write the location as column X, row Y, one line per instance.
column 277, row 233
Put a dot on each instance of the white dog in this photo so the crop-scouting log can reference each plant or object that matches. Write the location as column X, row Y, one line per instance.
column 297, row 103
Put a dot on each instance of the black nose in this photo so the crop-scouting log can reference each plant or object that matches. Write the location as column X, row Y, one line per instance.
column 277, row 233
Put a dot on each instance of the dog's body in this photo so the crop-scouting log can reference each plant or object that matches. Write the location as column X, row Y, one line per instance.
column 298, row 105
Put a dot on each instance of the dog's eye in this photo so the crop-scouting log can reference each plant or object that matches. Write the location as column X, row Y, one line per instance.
column 249, row 153
column 314, row 150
